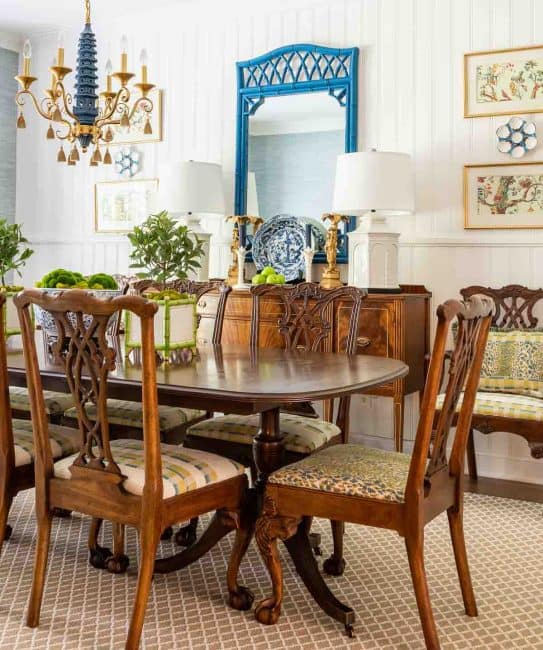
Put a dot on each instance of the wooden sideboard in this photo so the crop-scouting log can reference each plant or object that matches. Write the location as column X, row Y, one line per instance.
column 391, row 325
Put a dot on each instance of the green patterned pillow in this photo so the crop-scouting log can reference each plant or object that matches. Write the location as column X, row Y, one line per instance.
column 513, row 362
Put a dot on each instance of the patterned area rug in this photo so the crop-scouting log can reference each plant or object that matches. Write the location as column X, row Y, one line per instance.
column 87, row 608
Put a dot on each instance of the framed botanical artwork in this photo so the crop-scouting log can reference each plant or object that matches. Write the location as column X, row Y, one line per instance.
column 121, row 205
column 503, row 82
column 503, row 195
column 136, row 134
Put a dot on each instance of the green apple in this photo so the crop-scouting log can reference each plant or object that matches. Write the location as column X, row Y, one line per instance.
column 267, row 270
column 259, row 279
column 280, row 278
column 272, row 279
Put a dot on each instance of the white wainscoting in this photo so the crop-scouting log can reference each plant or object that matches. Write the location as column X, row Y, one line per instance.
column 410, row 99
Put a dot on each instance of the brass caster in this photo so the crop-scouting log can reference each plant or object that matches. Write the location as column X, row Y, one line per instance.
column 186, row 536
column 334, row 566
column 349, row 631
column 117, row 563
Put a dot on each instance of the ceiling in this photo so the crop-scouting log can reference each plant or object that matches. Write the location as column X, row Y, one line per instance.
column 24, row 17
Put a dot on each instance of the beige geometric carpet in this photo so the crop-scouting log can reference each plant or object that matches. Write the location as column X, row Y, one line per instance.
column 88, row 608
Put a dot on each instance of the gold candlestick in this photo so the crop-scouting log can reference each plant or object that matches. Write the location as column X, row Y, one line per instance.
column 330, row 278
column 232, row 278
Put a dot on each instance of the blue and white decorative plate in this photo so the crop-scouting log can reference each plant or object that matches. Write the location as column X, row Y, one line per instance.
column 280, row 243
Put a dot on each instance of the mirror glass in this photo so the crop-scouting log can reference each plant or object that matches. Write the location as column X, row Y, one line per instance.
column 294, row 141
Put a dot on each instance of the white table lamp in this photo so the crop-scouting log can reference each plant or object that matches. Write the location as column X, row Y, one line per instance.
column 189, row 189
column 370, row 185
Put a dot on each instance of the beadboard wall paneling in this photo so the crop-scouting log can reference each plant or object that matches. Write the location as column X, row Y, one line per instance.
column 410, row 99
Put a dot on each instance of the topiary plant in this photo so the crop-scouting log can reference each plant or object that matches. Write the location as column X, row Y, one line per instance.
column 63, row 279
column 164, row 249
column 13, row 252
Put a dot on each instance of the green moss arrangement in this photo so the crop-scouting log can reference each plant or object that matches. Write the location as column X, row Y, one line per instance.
column 63, row 279
column 13, row 252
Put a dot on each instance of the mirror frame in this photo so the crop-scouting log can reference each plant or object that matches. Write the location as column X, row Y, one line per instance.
column 290, row 70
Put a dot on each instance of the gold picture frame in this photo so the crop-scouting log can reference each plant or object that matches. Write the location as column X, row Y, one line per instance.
column 508, row 199
column 492, row 86
column 135, row 135
column 121, row 205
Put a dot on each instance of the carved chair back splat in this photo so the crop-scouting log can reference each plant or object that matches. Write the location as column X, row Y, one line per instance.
column 95, row 486
column 431, row 486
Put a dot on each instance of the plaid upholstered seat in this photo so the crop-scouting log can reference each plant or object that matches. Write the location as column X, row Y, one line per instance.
column 302, row 435
column 55, row 403
column 130, row 414
column 183, row 469
column 504, row 405
column 350, row 470
column 64, row 441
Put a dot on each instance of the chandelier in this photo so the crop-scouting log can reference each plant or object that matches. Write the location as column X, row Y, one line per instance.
column 90, row 120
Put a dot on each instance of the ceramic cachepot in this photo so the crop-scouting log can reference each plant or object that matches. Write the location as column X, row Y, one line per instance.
column 176, row 323
column 9, row 314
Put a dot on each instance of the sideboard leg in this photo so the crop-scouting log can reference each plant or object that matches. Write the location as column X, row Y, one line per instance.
column 399, row 403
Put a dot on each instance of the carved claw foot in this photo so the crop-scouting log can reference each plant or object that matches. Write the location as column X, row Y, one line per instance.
column 334, row 566
column 8, row 532
column 167, row 533
column 62, row 513
column 242, row 599
column 117, row 563
column 266, row 612
column 99, row 556
column 186, row 536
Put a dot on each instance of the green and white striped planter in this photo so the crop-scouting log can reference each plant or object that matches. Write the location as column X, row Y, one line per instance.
column 176, row 323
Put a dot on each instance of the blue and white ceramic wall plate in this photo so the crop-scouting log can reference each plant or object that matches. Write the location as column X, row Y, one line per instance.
column 516, row 137
column 127, row 162
column 280, row 242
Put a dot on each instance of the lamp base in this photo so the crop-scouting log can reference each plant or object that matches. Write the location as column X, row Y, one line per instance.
column 192, row 222
column 373, row 256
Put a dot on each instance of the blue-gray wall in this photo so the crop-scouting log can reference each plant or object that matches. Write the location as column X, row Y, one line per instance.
column 295, row 172
column 8, row 116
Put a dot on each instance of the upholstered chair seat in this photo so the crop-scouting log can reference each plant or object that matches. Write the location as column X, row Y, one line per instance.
column 64, row 441
column 350, row 470
column 505, row 405
column 183, row 469
column 55, row 403
column 302, row 435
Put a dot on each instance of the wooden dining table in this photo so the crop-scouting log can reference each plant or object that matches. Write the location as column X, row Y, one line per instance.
column 233, row 379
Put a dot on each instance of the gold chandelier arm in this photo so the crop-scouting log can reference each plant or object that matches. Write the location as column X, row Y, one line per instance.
column 21, row 102
column 122, row 97
column 69, row 135
column 147, row 106
column 66, row 100
column 46, row 105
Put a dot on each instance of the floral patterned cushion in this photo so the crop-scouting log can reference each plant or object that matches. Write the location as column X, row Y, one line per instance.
column 503, row 405
column 182, row 469
column 55, row 403
column 302, row 435
column 64, row 441
column 130, row 414
column 513, row 363
column 351, row 470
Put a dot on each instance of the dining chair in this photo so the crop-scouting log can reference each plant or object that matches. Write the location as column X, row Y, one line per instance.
column 17, row 450
column 126, row 417
column 148, row 485
column 307, row 313
column 386, row 489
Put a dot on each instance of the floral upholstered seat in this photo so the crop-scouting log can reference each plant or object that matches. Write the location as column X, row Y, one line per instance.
column 55, row 403
column 350, row 470
column 302, row 435
column 183, row 469
column 64, row 441
column 506, row 405
column 130, row 414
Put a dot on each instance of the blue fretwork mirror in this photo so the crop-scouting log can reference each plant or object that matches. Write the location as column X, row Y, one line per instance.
column 297, row 110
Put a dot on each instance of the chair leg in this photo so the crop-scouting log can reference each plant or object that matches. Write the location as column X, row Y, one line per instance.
column 415, row 553
column 186, row 535
column 456, row 525
column 240, row 597
column 118, row 562
column 98, row 555
column 40, row 568
column 472, row 461
column 149, row 540
column 335, row 564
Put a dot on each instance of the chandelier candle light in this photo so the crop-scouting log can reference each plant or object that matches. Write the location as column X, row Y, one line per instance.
column 89, row 121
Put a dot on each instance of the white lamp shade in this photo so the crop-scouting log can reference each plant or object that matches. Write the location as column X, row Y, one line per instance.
column 191, row 186
column 373, row 180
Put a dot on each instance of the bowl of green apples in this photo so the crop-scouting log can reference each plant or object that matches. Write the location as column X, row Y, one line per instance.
column 268, row 275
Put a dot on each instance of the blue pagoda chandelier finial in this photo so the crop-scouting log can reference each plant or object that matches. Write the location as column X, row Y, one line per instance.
column 90, row 120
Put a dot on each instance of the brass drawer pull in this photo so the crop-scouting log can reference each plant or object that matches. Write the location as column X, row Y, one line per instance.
column 363, row 341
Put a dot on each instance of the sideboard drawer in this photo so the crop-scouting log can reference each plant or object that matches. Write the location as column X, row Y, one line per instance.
column 375, row 329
